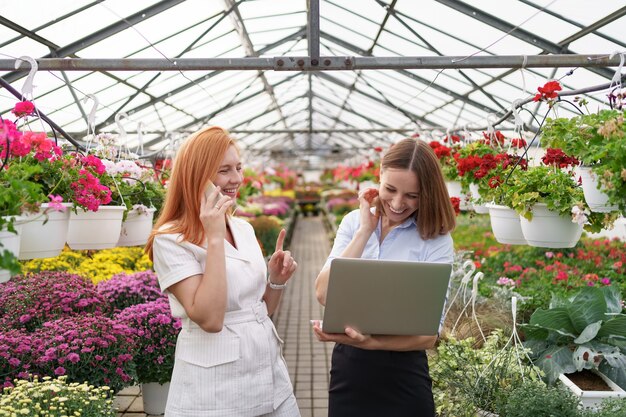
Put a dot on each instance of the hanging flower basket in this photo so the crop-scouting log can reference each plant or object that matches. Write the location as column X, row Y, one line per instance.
column 549, row 229
column 136, row 228
column 506, row 225
column 95, row 229
column 44, row 233
column 10, row 241
column 478, row 208
column 454, row 190
column 596, row 199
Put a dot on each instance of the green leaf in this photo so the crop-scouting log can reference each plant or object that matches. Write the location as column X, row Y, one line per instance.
column 555, row 361
column 588, row 306
column 555, row 319
column 614, row 327
column 615, row 374
column 612, row 297
column 589, row 333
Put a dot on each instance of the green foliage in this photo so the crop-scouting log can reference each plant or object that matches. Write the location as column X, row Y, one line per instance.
column 482, row 377
column 611, row 407
column 584, row 331
column 535, row 399
column 20, row 193
column 597, row 140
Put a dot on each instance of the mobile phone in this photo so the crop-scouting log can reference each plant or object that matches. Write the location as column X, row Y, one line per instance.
column 209, row 189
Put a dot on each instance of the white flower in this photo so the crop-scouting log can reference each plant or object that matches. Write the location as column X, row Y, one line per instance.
column 578, row 215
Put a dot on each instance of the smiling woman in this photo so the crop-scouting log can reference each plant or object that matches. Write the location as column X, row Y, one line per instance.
column 409, row 218
column 212, row 269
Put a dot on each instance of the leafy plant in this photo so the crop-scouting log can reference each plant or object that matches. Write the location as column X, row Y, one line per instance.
column 482, row 377
column 48, row 397
column 266, row 229
column 557, row 189
column 534, row 398
column 584, row 331
column 598, row 140
column 156, row 332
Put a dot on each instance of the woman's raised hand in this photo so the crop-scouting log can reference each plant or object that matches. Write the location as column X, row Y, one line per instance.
column 213, row 209
column 281, row 265
column 369, row 220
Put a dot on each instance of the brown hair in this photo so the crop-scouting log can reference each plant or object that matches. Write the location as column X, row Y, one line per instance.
column 196, row 163
column 435, row 214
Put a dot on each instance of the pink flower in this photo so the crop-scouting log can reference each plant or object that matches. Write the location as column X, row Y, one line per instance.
column 56, row 203
column 23, row 108
column 605, row 281
column 59, row 371
column 549, row 255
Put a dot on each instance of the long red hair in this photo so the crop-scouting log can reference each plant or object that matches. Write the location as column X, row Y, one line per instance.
column 196, row 163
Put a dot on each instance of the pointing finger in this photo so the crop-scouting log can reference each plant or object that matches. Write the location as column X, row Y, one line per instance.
column 280, row 240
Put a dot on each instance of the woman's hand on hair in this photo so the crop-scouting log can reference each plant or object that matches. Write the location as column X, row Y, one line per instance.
column 213, row 209
column 369, row 220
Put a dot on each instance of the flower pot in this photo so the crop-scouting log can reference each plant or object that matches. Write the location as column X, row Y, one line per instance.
column 136, row 228
column 454, row 190
column 506, row 225
column 478, row 208
column 11, row 242
column 95, row 229
column 39, row 240
column 154, row 397
column 596, row 199
column 592, row 398
column 549, row 229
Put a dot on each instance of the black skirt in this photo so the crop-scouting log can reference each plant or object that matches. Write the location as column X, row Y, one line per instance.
column 379, row 383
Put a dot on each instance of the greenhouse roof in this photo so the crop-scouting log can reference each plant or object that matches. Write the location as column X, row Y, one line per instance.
column 308, row 82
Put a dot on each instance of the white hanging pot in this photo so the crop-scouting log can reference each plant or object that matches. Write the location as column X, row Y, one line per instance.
column 548, row 229
column 478, row 208
column 95, row 229
column 11, row 242
column 154, row 397
column 136, row 228
column 454, row 190
column 44, row 233
column 506, row 225
column 596, row 199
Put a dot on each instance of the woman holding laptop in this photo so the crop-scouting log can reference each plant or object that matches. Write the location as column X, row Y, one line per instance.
column 408, row 218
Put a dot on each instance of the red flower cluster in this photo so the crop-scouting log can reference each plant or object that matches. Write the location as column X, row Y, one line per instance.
column 440, row 150
column 548, row 91
column 558, row 158
column 518, row 143
column 452, row 139
column 23, row 109
column 495, row 139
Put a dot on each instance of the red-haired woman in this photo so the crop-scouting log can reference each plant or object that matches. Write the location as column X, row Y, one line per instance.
column 408, row 218
column 228, row 355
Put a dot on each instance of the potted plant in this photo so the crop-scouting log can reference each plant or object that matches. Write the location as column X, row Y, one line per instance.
column 136, row 187
column 586, row 331
column 156, row 332
column 55, row 395
column 534, row 398
column 598, row 140
column 482, row 377
column 551, row 206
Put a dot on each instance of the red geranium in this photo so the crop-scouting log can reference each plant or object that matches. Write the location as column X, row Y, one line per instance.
column 548, row 91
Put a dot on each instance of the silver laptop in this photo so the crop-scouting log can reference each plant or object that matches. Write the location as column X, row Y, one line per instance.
column 385, row 297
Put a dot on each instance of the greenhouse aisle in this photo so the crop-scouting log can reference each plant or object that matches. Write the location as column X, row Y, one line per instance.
column 307, row 359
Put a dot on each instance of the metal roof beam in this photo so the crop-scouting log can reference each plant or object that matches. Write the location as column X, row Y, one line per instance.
column 248, row 46
column 517, row 32
column 103, row 33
